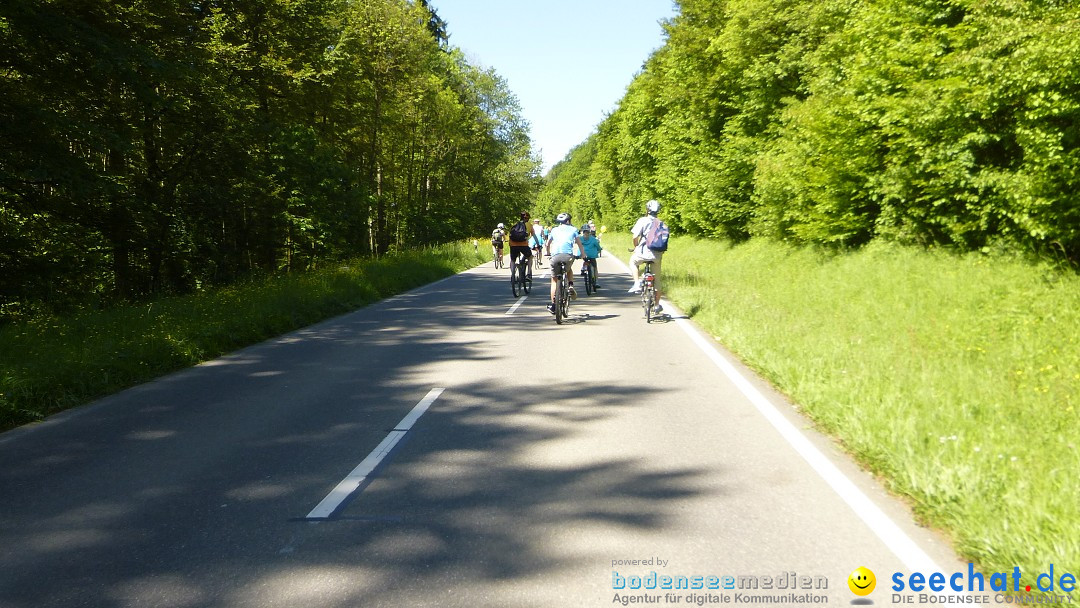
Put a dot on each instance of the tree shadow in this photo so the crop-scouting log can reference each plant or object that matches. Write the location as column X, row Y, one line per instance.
column 173, row 494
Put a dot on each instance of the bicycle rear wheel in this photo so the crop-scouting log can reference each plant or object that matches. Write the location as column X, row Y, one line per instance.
column 647, row 299
column 560, row 296
column 586, row 270
column 566, row 295
column 526, row 276
column 515, row 280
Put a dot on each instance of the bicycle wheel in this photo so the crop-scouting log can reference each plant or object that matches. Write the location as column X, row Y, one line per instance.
column 647, row 300
column 586, row 274
column 526, row 276
column 560, row 295
column 566, row 295
column 515, row 280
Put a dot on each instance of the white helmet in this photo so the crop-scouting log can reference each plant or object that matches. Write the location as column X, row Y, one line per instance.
column 653, row 206
column 500, row 225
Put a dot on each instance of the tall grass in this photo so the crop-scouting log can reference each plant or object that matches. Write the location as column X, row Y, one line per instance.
column 53, row 363
column 956, row 378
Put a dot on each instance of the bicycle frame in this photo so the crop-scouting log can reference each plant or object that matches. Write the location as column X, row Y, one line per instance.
column 648, row 291
column 588, row 275
column 520, row 275
column 562, row 292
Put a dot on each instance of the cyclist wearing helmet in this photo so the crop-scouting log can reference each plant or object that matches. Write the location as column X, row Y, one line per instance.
column 497, row 237
column 519, row 242
column 536, row 241
column 643, row 254
column 562, row 239
column 591, row 251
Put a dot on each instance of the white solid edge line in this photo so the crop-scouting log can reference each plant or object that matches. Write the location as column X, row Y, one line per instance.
column 419, row 409
column 516, row 304
column 913, row 557
column 353, row 480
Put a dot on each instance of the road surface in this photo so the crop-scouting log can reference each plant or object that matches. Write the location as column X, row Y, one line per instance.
column 449, row 447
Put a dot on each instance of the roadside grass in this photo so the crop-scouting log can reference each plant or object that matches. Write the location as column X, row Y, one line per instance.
column 954, row 378
column 51, row 364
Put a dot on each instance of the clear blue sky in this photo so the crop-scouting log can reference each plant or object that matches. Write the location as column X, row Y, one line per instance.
column 568, row 61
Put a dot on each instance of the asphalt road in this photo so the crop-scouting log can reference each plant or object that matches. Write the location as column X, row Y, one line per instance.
column 550, row 454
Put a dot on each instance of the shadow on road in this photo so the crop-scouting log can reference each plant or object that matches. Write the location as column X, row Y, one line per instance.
column 183, row 492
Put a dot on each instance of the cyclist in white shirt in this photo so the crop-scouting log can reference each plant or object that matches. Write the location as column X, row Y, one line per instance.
column 643, row 254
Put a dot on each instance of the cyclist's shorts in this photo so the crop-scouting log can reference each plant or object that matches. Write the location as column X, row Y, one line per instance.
column 560, row 262
column 516, row 250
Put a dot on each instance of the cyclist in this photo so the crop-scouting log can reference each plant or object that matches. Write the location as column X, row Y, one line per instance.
column 562, row 239
column 497, row 236
column 591, row 250
column 536, row 241
column 643, row 254
column 519, row 242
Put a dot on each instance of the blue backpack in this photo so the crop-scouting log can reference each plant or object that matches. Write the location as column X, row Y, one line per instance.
column 656, row 237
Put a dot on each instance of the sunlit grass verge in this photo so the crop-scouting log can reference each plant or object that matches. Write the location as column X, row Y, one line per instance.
column 52, row 364
column 956, row 378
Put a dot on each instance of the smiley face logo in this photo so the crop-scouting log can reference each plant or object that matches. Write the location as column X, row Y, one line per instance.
column 861, row 581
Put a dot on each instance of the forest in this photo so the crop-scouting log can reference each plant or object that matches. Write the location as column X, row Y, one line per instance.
column 935, row 123
column 155, row 148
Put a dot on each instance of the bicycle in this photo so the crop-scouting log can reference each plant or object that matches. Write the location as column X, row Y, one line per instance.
column 520, row 275
column 648, row 291
column 588, row 275
column 496, row 255
column 562, row 292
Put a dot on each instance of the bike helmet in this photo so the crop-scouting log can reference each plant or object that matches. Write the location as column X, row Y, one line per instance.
column 500, row 225
column 653, row 206
column 564, row 218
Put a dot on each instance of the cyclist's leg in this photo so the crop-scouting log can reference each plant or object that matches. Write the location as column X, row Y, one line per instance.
column 521, row 258
column 559, row 265
column 555, row 269
column 635, row 269
column 656, row 274
column 554, row 277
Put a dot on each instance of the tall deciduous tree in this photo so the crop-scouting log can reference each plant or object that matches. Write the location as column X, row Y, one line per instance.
column 841, row 121
column 155, row 147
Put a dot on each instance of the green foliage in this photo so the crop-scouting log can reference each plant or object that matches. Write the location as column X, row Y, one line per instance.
column 159, row 147
column 838, row 122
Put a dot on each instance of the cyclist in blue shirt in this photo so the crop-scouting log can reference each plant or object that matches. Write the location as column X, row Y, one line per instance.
column 591, row 251
column 562, row 239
